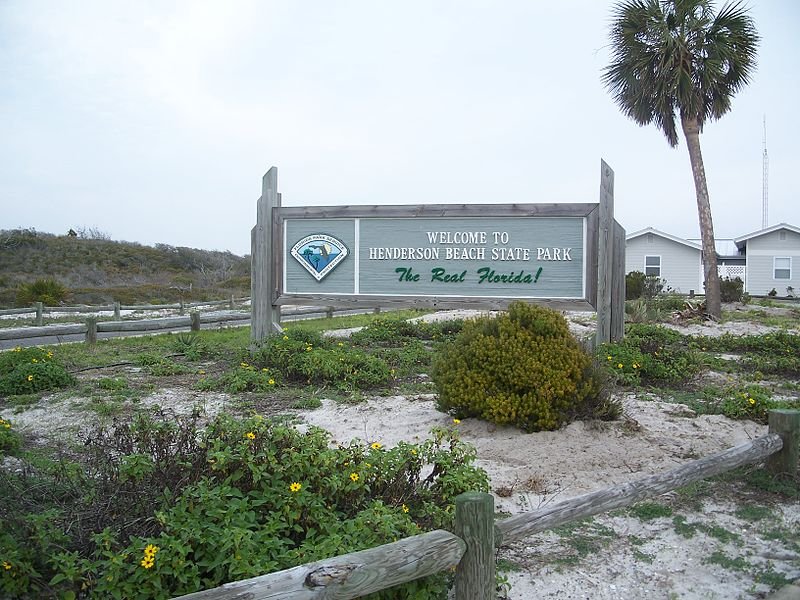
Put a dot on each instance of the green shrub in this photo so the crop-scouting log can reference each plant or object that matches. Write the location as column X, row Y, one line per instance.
column 731, row 290
column 385, row 331
column 634, row 285
column 9, row 438
column 650, row 354
column 303, row 356
column 523, row 368
column 31, row 370
column 47, row 291
column 163, row 507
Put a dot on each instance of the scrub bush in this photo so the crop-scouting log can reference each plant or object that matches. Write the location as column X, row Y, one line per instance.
column 166, row 506
column 47, row 291
column 522, row 368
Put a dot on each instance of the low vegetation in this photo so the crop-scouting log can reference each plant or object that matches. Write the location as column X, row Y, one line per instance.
column 89, row 268
column 139, row 506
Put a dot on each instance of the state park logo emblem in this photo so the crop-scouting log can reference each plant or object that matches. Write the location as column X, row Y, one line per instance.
column 319, row 254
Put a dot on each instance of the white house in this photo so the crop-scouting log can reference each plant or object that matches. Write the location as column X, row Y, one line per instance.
column 765, row 260
column 773, row 259
column 675, row 260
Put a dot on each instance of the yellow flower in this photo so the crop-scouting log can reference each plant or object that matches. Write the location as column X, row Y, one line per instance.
column 49, row 355
column 295, row 486
column 271, row 381
column 201, row 372
column 6, row 566
column 147, row 563
column 309, row 348
column 265, row 370
column 250, row 435
column 414, row 452
column 608, row 357
column 150, row 550
column 620, row 365
column 354, row 476
column 18, row 349
column 376, row 446
column 340, row 344
column 34, row 360
column 457, row 421
column 751, row 401
column 244, row 364
column 405, row 508
column 30, row 377
column 286, row 337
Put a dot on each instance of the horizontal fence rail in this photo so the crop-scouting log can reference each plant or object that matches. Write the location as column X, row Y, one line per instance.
column 350, row 575
column 623, row 495
column 353, row 575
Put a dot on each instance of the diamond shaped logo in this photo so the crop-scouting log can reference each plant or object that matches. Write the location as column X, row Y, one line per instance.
column 319, row 254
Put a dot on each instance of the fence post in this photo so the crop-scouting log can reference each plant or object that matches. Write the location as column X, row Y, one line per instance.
column 181, row 309
column 117, row 308
column 230, row 305
column 195, row 317
column 329, row 312
column 376, row 310
column 475, row 578
column 39, row 313
column 91, row 331
column 786, row 423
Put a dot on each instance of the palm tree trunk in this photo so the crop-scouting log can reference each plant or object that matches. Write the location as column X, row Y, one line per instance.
column 691, row 130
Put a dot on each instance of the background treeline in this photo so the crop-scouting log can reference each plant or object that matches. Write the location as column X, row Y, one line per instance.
column 89, row 268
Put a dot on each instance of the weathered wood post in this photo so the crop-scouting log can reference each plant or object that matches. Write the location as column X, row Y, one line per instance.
column 91, row 331
column 786, row 423
column 605, row 259
column 230, row 304
column 265, row 316
column 618, row 285
column 39, row 313
column 117, row 308
column 195, row 318
column 329, row 313
column 475, row 574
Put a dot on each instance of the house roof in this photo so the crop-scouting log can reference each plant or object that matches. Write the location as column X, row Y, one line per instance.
column 667, row 236
column 741, row 240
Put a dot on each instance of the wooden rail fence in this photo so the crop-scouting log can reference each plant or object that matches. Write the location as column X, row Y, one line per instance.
column 471, row 549
column 193, row 321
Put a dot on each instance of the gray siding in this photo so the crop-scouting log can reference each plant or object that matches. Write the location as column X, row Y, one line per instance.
column 761, row 251
column 680, row 265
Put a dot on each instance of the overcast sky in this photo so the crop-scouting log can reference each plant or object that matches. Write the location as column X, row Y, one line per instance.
column 155, row 121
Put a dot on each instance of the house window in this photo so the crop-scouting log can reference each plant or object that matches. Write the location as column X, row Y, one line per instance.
column 782, row 267
column 652, row 266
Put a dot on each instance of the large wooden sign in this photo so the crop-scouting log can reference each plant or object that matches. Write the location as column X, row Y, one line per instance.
column 430, row 259
column 430, row 255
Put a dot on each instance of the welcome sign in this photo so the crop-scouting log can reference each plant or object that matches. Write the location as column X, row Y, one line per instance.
column 566, row 256
column 500, row 257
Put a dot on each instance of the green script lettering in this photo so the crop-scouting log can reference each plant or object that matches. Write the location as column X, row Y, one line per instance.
column 488, row 275
column 440, row 274
column 406, row 274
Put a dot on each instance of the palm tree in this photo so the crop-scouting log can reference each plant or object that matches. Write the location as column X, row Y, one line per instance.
column 676, row 57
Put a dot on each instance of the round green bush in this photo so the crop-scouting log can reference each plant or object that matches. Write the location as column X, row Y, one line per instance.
column 31, row 370
column 522, row 368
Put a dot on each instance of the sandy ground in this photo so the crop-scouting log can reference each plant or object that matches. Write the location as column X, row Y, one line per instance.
column 632, row 558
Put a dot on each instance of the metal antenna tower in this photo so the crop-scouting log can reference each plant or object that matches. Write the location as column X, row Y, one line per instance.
column 765, row 181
